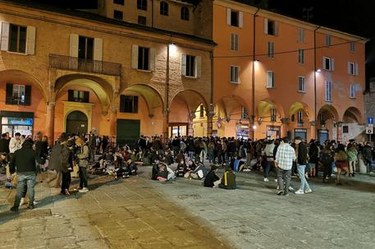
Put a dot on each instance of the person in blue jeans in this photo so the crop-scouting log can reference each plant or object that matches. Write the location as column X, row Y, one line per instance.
column 23, row 162
column 302, row 161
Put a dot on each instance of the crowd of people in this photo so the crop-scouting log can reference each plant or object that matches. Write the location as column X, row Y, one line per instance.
column 177, row 157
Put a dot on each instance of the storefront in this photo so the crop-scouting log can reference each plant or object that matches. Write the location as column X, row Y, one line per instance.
column 273, row 131
column 13, row 122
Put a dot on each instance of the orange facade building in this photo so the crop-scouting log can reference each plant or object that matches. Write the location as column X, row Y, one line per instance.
column 264, row 80
column 156, row 67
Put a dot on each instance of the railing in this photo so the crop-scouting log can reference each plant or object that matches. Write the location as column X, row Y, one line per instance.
column 84, row 65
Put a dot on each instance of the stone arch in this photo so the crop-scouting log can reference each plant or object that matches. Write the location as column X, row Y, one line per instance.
column 191, row 98
column 13, row 75
column 100, row 87
column 327, row 112
column 151, row 96
column 264, row 108
column 230, row 103
column 352, row 115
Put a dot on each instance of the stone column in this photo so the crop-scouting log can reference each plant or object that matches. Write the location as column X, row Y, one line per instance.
column 190, row 125
column 165, row 123
column 210, row 114
column 51, row 122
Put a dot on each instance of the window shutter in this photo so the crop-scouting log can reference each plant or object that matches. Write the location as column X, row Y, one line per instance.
column 332, row 64
column 349, row 71
column 276, row 28
column 98, row 49
column 135, row 102
column 356, row 68
column 183, row 64
column 135, row 56
column 266, row 26
column 122, row 103
column 9, row 94
column 86, row 96
column 240, row 19
column 152, row 59
column 198, row 65
column 70, row 95
column 73, row 45
column 27, row 95
column 229, row 16
column 4, row 36
column 30, row 40
column 324, row 63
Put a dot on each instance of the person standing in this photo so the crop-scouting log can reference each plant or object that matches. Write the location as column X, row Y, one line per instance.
column 83, row 157
column 15, row 143
column 302, row 160
column 285, row 156
column 24, row 163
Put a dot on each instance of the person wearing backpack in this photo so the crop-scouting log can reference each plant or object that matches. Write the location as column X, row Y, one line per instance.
column 326, row 160
column 228, row 181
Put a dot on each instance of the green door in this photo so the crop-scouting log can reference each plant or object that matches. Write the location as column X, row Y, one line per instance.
column 128, row 132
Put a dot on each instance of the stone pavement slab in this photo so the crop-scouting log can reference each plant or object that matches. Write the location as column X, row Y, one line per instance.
column 140, row 213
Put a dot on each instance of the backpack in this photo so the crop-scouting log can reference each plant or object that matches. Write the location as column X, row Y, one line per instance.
column 326, row 158
column 228, row 181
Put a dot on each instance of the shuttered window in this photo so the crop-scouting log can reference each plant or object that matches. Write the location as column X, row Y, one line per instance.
column 18, row 94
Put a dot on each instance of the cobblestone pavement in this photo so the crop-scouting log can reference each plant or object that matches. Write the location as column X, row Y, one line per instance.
column 140, row 213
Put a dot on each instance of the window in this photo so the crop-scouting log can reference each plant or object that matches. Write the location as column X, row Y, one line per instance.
column 85, row 48
column 164, row 8
column 78, row 96
column 270, row 49
column 270, row 79
column 234, row 73
column 345, row 129
column 300, row 117
column 352, row 68
column 234, row 18
column 328, row 64
column 301, row 35
column 190, row 65
column 234, row 42
column 244, row 113
column 121, row 2
column 301, row 84
column 270, row 27
column 301, row 56
column 328, row 40
column 142, row 4
column 352, row 91
column 352, row 46
column 201, row 111
column 185, row 13
column 17, row 94
column 273, row 113
column 118, row 15
column 17, row 38
column 142, row 20
column 328, row 91
column 143, row 58
column 129, row 104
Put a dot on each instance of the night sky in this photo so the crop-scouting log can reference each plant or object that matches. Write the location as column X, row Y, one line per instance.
column 352, row 16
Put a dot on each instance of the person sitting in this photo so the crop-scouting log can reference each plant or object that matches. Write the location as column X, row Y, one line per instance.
column 212, row 180
column 228, row 181
column 198, row 173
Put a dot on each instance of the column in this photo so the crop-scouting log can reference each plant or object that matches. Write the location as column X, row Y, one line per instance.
column 190, row 125
column 165, row 124
column 51, row 122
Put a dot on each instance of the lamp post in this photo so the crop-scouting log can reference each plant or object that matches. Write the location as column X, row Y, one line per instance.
column 252, row 118
column 315, row 94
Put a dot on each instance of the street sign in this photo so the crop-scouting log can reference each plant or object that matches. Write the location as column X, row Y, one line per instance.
column 369, row 130
column 370, row 120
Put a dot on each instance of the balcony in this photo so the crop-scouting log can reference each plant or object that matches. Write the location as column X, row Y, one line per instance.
column 84, row 65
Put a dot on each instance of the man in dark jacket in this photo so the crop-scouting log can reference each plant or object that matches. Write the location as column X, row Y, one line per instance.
column 23, row 162
column 302, row 160
column 4, row 143
column 212, row 180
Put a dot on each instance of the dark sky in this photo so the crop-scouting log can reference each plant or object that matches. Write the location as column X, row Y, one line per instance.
column 352, row 16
